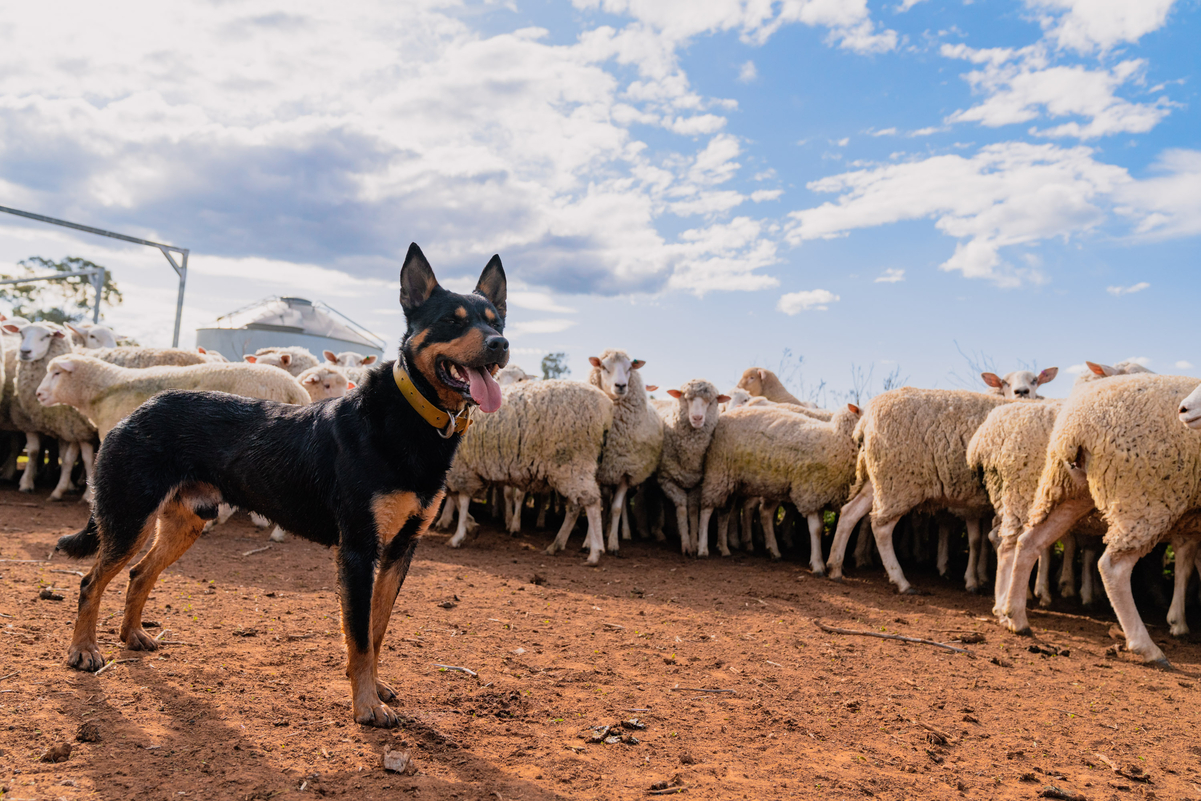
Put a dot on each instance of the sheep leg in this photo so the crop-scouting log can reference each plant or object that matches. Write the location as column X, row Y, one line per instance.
column 543, row 506
column 1029, row 544
column 888, row 557
column 694, row 513
column 1007, row 536
column 569, row 518
column 864, row 543
column 1042, row 580
column 723, row 532
column 1186, row 555
column 748, row 524
column 70, row 455
column 702, row 542
column 733, row 532
column 1088, row 576
column 850, row 515
column 680, row 498
column 506, row 512
column 944, row 548
column 596, row 533
column 1067, row 571
column 518, row 497
column 787, row 524
column 461, row 532
column 1115, row 573
column 88, row 454
column 10, row 461
column 767, row 518
column 626, row 532
column 816, row 524
column 33, row 449
column 984, row 559
column 448, row 511
column 616, row 510
column 971, row 577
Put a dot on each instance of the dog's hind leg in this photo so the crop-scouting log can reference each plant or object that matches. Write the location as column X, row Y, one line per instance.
column 116, row 549
column 178, row 528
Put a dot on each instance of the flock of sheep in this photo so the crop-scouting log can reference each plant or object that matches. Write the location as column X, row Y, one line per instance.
column 1116, row 467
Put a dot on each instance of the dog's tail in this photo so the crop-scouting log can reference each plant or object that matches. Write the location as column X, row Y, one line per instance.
column 82, row 543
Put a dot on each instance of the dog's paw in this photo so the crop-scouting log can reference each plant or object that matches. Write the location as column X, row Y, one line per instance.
column 385, row 692
column 85, row 657
column 139, row 640
column 378, row 715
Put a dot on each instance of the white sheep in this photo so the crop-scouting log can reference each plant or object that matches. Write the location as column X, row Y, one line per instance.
column 1019, row 383
column 635, row 443
column 913, row 455
column 778, row 455
column 353, row 364
column 40, row 343
column 546, row 436
column 324, row 381
column 89, row 336
column 764, row 383
column 294, row 359
column 1121, row 441
column 106, row 394
column 137, row 356
column 688, row 425
column 508, row 375
column 210, row 355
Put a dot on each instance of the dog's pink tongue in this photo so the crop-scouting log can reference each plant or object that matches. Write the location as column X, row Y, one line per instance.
column 484, row 389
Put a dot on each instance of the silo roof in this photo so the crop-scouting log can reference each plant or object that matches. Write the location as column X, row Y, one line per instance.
column 299, row 316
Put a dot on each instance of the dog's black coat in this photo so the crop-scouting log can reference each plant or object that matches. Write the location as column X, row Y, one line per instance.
column 315, row 470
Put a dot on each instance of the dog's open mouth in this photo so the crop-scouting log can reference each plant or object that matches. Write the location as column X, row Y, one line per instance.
column 476, row 383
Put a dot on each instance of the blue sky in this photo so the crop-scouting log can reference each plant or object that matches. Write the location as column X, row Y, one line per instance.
column 708, row 184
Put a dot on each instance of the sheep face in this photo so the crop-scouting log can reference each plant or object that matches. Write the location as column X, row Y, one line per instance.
column 53, row 388
column 324, row 381
column 100, row 336
column 752, row 380
column 348, row 359
column 699, row 402
column 1020, row 383
column 738, row 397
column 615, row 367
column 35, row 339
column 1190, row 410
column 512, row 374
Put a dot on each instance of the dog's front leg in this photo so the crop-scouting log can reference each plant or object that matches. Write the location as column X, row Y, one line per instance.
column 356, row 580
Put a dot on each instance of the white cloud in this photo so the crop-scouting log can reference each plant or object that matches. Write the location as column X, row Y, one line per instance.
column 1020, row 87
column 761, row 195
column 1141, row 361
column 1086, row 25
column 546, row 326
column 884, row 132
column 1077, row 369
column 1006, row 194
column 843, row 142
column 1169, row 203
column 891, row 276
column 812, row 299
column 1118, row 291
column 1183, row 365
column 907, row 4
column 747, row 72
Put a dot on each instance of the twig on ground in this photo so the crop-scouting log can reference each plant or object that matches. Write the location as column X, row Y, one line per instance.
column 697, row 690
column 10, row 675
column 882, row 636
column 68, row 572
column 637, row 709
column 160, row 635
column 257, row 550
column 4, row 615
column 112, row 662
column 468, row 671
column 25, row 561
column 21, row 503
column 950, row 740
column 612, row 626
column 668, row 791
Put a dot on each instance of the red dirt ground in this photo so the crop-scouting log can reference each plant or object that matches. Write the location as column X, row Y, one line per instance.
column 251, row 700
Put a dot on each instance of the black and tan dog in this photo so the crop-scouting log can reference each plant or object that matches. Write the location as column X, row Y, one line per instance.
column 363, row 472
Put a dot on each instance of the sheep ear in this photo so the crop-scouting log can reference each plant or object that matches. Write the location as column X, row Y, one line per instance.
column 67, row 364
column 330, row 356
column 637, row 363
column 351, row 385
column 992, row 380
column 595, row 362
column 652, row 387
column 1102, row 370
column 285, row 359
column 76, row 330
column 369, row 360
column 10, row 328
column 675, row 393
column 417, row 280
column 854, row 409
column 494, row 286
column 1048, row 375
column 201, row 351
column 250, row 358
column 311, row 379
column 762, row 375
column 723, row 398
column 59, row 335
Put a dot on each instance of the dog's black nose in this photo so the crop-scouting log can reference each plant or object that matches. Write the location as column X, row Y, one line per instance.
column 497, row 346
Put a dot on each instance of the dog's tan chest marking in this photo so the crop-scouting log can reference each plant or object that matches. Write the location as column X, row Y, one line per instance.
column 394, row 509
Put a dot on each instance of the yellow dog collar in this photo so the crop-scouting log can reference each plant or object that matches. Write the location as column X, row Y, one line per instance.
column 446, row 424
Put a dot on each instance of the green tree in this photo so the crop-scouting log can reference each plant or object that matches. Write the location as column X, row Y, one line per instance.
column 66, row 300
column 554, row 365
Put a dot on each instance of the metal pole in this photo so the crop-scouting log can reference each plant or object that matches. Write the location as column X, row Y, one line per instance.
column 98, row 285
column 183, row 280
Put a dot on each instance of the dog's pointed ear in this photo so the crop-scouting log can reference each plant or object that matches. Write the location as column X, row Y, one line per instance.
column 494, row 286
column 417, row 281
